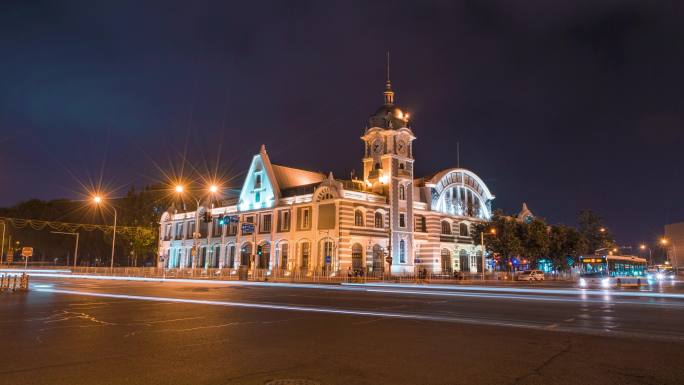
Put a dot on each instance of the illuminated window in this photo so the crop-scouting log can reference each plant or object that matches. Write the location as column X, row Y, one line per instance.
column 257, row 197
column 358, row 218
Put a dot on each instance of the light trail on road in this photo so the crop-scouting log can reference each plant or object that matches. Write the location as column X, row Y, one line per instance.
column 363, row 286
column 482, row 321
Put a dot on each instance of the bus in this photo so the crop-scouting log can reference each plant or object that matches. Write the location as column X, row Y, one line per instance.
column 612, row 270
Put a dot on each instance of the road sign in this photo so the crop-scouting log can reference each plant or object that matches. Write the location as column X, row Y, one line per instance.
column 27, row 251
column 234, row 219
column 247, row 228
column 328, row 259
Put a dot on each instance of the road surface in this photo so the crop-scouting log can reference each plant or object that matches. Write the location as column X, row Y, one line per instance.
column 84, row 331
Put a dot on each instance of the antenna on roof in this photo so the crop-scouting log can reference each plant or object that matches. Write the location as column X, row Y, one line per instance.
column 389, row 94
column 388, row 68
column 458, row 154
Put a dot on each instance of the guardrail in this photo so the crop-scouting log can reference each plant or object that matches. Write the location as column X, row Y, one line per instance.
column 279, row 275
column 14, row 282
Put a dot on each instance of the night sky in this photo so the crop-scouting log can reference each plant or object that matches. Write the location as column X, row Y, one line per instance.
column 564, row 105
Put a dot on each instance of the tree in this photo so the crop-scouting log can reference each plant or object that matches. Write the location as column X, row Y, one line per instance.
column 564, row 242
column 506, row 242
column 593, row 232
column 535, row 240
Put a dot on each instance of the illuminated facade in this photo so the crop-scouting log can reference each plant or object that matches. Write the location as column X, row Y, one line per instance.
column 306, row 222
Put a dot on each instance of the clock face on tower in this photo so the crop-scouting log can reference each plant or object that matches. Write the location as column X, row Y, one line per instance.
column 401, row 147
column 376, row 146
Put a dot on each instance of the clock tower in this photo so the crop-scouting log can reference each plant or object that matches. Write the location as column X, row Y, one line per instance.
column 388, row 170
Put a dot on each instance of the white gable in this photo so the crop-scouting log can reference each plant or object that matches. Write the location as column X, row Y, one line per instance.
column 260, row 189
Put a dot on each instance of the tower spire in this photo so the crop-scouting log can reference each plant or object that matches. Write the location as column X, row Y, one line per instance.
column 389, row 94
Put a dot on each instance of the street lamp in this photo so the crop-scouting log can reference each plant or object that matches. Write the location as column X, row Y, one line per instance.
column 664, row 241
column 97, row 199
column 492, row 232
column 75, row 249
column 180, row 189
column 650, row 253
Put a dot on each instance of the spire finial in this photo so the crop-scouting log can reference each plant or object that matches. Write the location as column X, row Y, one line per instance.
column 388, row 84
column 389, row 94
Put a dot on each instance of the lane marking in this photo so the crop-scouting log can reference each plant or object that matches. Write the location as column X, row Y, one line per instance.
column 351, row 286
column 365, row 313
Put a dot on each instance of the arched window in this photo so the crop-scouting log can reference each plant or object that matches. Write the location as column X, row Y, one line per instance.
column 446, row 227
column 358, row 218
column 284, row 252
column 377, row 166
column 463, row 229
column 446, row 261
column 305, row 254
column 229, row 257
column 379, row 220
column 402, row 251
column 357, row 257
column 402, row 192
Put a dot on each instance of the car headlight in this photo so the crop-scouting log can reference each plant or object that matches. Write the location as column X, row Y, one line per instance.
column 649, row 276
column 605, row 282
column 583, row 282
column 659, row 276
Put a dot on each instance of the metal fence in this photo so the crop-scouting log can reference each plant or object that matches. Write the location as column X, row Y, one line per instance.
column 303, row 276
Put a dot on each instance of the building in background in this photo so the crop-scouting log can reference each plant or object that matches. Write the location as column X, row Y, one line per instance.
column 674, row 243
column 307, row 222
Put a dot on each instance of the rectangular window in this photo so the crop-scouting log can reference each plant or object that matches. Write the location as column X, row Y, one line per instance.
column 266, row 223
column 420, row 223
column 179, row 230
column 284, row 223
column 402, row 220
column 257, row 182
column 304, row 218
column 216, row 231
column 257, row 197
column 191, row 229
column 232, row 227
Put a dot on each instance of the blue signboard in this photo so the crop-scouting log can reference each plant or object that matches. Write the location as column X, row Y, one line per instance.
column 247, row 228
column 328, row 259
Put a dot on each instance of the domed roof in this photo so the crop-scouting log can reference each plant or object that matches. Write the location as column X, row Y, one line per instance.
column 389, row 116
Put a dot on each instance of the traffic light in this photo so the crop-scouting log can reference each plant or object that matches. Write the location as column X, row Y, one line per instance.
column 222, row 220
column 207, row 216
column 259, row 250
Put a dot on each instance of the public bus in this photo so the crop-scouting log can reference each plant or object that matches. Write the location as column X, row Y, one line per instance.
column 612, row 270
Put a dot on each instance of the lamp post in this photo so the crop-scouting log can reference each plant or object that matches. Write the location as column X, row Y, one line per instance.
column 665, row 242
column 650, row 253
column 492, row 232
column 213, row 189
column 2, row 247
column 99, row 201
column 75, row 249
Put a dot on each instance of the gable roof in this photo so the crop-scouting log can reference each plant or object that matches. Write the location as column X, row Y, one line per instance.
column 288, row 177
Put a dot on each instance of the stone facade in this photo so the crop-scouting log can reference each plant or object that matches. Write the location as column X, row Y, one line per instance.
column 308, row 222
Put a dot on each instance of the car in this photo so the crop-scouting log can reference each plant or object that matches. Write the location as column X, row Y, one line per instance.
column 531, row 275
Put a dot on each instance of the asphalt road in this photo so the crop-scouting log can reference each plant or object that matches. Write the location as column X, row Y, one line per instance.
column 76, row 331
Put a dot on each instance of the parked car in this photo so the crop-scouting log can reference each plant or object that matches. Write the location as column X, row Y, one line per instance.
column 531, row 275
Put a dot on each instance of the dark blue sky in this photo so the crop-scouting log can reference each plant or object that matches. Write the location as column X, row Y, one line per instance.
column 564, row 105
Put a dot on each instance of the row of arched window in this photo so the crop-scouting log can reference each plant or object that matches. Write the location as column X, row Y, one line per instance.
column 378, row 219
column 447, row 229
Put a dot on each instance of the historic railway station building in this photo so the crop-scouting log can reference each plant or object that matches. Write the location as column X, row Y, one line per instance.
column 308, row 222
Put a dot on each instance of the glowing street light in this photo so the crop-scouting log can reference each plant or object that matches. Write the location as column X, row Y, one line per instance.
column 97, row 199
column 650, row 253
column 179, row 188
column 213, row 189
